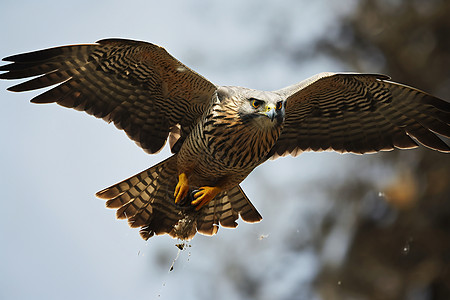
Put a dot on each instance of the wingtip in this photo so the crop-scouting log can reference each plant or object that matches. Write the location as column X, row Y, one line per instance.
column 12, row 88
column 106, row 194
column 9, row 58
column 16, row 57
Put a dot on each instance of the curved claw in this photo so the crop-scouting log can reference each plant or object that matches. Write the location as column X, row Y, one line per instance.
column 182, row 188
column 204, row 195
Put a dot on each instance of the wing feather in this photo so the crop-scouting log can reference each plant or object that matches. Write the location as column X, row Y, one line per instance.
column 136, row 85
column 360, row 113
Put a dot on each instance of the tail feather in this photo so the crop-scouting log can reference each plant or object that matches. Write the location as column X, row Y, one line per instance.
column 146, row 200
column 225, row 210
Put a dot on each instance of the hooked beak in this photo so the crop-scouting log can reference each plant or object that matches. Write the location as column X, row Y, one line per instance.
column 270, row 112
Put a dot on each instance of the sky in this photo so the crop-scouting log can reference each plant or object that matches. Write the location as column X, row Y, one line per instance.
column 59, row 242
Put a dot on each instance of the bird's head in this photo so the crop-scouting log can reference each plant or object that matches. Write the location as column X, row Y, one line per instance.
column 264, row 109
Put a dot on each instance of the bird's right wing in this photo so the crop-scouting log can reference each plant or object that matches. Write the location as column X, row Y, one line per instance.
column 136, row 85
column 359, row 113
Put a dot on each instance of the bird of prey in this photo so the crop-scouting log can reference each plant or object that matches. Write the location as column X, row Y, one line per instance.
column 219, row 134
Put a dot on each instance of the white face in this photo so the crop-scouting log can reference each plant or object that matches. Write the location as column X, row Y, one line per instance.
column 264, row 109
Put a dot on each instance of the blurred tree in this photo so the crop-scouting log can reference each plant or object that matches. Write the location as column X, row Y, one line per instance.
column 408, row 39
column 401, row 242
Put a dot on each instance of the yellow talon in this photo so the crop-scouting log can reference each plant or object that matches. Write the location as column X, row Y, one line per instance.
column 182, row 188
column 204, row 195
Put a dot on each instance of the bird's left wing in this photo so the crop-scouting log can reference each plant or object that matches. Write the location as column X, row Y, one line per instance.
column 359, row 113
column 136, row 85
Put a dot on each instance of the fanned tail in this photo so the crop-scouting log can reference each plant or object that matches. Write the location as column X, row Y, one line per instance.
column 146, row 200
column 225, row 210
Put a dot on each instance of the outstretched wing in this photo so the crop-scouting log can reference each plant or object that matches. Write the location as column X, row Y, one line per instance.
column 359, row 113
column 138, row 86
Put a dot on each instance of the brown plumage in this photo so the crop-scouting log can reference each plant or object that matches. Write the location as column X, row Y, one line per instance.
column 219, row 134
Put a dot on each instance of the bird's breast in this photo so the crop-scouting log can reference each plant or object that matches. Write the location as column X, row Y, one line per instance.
column 222, row 148
column 237, row 145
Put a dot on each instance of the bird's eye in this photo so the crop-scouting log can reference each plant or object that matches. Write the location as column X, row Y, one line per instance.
column 279, row 105
column 256, row 103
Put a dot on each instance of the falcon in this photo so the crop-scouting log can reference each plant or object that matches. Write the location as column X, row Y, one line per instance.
column 219, row 134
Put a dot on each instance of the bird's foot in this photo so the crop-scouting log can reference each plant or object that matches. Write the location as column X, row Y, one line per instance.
column 182, row 188
column 204, row 195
